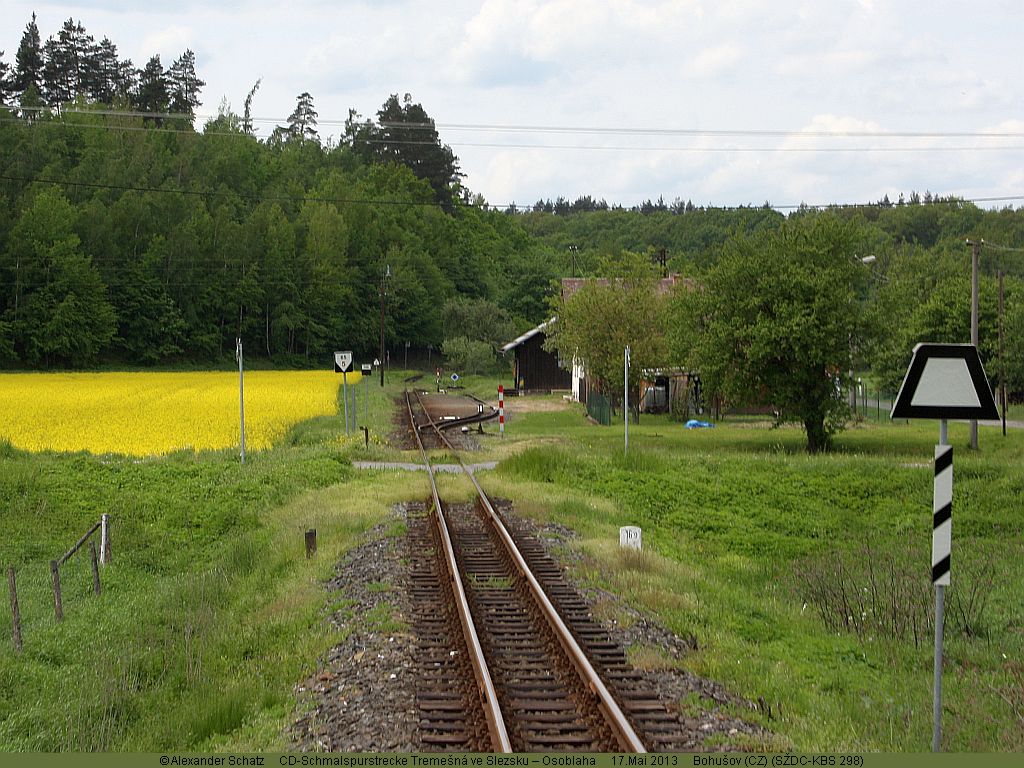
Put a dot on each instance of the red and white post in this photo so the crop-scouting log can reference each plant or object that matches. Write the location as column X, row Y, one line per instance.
column 501, row 410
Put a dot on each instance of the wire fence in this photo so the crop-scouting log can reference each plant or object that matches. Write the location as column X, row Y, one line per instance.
column 599, row 408
column 40, row 593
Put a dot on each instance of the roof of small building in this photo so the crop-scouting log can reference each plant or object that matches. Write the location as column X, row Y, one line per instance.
column 571, row 285
column 528, row 335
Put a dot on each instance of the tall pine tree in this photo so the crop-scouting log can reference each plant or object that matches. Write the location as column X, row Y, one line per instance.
column 68, row 64
column 405, row 134
column 302, row 122
column 6, row 87
column 184, row 85
column 106, row 76
column 28, row 66
column 153, row 94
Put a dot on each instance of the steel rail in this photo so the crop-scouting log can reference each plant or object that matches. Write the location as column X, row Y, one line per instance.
column 624, row 732
column 500, row 741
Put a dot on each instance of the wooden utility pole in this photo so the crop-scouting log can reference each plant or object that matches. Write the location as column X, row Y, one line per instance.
column 383, row 284
column 975, row 258
column 1002, row 365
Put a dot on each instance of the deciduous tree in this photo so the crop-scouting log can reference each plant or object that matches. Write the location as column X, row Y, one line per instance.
column 597, row 323
column 773, row 321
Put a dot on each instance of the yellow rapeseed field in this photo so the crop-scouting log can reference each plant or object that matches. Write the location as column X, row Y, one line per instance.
column 141, row 414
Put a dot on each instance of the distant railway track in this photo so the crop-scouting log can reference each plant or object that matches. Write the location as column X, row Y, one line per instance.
column 510, row 658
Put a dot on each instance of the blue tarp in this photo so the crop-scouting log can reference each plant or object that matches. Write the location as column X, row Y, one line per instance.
column 694, row 424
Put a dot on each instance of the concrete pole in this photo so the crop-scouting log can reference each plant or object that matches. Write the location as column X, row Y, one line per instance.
column 975, row 258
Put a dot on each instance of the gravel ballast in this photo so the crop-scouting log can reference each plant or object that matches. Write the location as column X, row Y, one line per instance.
column 362, row 697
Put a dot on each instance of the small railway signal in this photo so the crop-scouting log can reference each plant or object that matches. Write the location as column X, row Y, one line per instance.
column 944, row 381
column 342, row 362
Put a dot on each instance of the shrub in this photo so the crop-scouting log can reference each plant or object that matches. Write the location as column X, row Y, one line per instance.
column 469, row 356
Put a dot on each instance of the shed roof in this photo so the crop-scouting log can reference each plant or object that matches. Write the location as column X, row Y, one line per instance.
column 570, row 285
column 528, row 335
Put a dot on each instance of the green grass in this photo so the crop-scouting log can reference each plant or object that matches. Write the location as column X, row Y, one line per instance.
column 738, row 520
column 210, row 612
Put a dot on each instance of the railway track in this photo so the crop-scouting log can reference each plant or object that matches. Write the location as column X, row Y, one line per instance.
column 510, row 658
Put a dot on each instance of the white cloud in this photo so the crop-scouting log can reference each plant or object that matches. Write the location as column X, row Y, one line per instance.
column 715, row 61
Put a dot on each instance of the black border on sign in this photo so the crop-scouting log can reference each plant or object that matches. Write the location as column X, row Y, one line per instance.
column 902, row 409
column 338, row 368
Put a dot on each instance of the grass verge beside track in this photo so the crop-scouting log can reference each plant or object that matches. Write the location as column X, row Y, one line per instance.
column 764, row 554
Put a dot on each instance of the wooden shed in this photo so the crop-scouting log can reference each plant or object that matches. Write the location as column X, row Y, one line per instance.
column 536, row 369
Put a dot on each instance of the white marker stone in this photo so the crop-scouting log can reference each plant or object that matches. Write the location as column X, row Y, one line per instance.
column 629, row 537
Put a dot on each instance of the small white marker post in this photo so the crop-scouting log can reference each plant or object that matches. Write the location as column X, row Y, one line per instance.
column 944, row 381
column 241, row 396
column 630, row 537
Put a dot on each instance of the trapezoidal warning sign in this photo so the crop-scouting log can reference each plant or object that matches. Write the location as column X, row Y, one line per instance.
column 945, row 381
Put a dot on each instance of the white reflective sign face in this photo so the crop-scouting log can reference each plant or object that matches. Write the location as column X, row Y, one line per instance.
column 946, row 381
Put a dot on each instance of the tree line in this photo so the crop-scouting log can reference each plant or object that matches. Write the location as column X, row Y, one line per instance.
column 788, row 314
column 72, row 67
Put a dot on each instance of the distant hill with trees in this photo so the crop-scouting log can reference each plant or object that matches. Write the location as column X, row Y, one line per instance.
column 127, row 235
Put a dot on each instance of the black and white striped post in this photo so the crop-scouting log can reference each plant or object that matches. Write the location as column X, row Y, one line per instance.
column 942, row 538
column 944, row 381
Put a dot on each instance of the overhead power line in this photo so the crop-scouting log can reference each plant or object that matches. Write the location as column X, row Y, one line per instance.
column 583, row 147
column 568, row 129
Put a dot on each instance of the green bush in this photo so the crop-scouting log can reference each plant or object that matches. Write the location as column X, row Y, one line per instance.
column 469, row 356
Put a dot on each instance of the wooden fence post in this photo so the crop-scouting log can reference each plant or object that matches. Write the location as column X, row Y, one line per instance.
column 95, row 568
column 15, row 613
column 310, row 543
column 58, row 608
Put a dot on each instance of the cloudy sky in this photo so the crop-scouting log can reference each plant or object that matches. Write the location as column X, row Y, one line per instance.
column 725, row 103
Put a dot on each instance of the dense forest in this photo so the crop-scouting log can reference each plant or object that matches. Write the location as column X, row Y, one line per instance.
column 130, row 236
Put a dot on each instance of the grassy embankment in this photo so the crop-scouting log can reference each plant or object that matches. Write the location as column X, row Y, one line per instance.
column 804, row 579
column 210, row 613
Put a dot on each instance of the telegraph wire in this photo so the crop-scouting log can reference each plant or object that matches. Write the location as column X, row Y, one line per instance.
column 588, row 147
column 559, row 129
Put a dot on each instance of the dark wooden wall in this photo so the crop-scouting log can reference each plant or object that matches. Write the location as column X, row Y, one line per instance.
column 537, row 369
